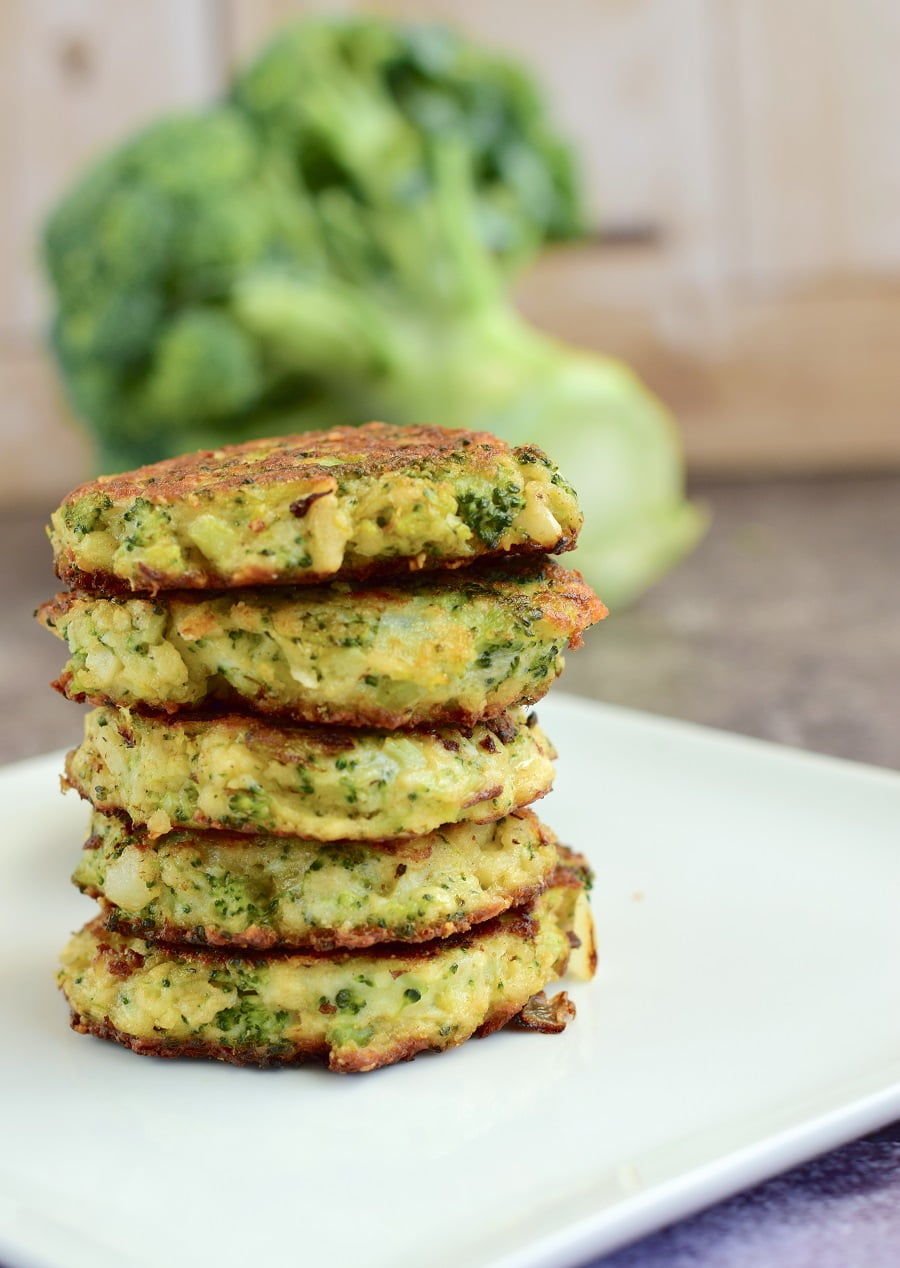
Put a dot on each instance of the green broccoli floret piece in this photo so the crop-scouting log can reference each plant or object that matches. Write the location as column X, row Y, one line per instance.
column 204, row 368
column 144, row 254
column 377, row 101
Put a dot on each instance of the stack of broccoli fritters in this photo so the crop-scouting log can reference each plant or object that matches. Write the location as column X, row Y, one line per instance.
column 309, row 782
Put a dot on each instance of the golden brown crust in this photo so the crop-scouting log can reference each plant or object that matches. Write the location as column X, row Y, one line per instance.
column 574, row 871
column 264, row 1055
column 519, row 921
column 371, row 716
column 283, row 743
column 563, row 589
column 415, row 848
column 277, row 739
column 267, row 1056
column 566, row 592
column 372, row 450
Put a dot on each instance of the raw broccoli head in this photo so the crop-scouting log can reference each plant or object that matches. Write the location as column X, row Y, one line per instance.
column 313, row 195
column 332, row 245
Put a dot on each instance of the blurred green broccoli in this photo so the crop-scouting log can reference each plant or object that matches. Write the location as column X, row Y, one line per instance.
column 334, row 243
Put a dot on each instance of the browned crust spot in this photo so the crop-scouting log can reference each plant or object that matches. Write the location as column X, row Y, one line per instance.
column 372, row 450
column 486, row 794
column 561, row 589
column 548, row 1016
column 259, row 1055
column 574, row 871
column 415, row 849
column 287, row 742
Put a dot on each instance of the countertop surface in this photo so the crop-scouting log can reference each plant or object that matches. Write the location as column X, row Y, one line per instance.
column 784, row 624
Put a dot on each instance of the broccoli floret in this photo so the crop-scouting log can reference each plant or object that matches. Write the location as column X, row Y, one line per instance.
column 204, row 368
column 489, row 511
column 378, row 99
column 116, row 330
column 143, row 255
column 194, row 156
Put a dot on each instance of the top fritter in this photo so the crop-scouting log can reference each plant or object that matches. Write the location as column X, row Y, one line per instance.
column 354, row 502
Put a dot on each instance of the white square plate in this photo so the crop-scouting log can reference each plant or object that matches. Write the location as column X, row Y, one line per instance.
column 746, row 1016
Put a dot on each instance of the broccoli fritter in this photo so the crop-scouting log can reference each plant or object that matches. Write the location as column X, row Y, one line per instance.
column 240, row 773
column 227, row 888
column 436, row 649
column 358, row 1010
column 350, row 502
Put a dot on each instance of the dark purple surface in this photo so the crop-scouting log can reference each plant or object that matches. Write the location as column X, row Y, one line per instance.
column 840, row 1211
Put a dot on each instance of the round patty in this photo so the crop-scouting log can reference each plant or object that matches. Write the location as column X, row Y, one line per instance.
column 354, row 501
column 225, row 888
column 455, row 648
column 325, row 783
column 357, row 1010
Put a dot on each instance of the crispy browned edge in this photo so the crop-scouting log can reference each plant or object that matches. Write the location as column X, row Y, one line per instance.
column 258, row 938
column 548, row 1016
column 521, row 922
column 363, row 716
column 286, row 742
column 106, row 583
column 203, row 822
column 378, row 449
column 409, row 847
column 566, row 600
column 372, row 449
column 269, row 1056
column 334, row 740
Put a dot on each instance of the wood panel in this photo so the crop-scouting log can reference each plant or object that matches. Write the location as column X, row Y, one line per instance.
column 77, row 75
column 807, row 380
column 44, row 453
column 817, row 126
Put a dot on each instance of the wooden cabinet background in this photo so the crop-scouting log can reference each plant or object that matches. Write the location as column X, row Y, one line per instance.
column 742, row 162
